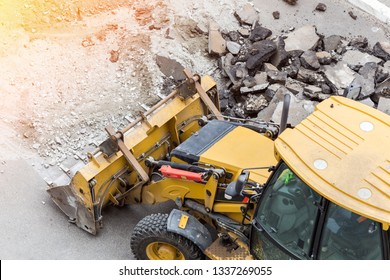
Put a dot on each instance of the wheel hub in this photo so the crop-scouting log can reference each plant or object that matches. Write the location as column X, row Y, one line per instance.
column 163, row 251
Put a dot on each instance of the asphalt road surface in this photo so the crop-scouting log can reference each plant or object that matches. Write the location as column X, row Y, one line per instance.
column 33, row 227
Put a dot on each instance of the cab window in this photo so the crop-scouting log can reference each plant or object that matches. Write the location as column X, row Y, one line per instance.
column 286, row 216
column 349, row 236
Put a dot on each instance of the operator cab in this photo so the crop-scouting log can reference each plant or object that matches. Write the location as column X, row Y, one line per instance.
column 294, row 222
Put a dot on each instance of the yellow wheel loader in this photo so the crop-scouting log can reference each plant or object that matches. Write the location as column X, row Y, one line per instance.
column 244, row 189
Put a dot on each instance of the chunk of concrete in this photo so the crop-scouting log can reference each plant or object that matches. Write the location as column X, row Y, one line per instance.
column 255, row 103
column 217, row 44
column 277, row 77
column 244, row 32
column 295, row 86
column 280, row 58
column 247, row 15
column 310, row 77
column 384, row 105
column 255, row 89
column 324, row 58
column 358, row 58
column 310, row 61
column 359, row 42
column 304, row 39
column 340, row 75
column 233, row 47
column 299, row 110
column 269, row 67
column 312, row 91
column 367, row 102
column 261, row 78
column 278, row 96
column 386, row 66
column 332, row 42
column 365, row 80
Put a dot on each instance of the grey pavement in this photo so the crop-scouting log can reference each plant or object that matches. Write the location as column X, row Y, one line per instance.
column 335, row 20
column 33, row 227
column 386, row 2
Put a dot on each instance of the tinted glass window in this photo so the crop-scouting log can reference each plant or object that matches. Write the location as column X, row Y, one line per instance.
column 347, row 236
column 287, row 214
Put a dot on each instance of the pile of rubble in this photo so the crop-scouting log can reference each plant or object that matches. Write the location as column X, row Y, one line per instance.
column 261, row 67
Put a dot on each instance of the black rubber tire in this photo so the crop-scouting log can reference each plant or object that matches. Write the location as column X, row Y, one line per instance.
column 153, row 228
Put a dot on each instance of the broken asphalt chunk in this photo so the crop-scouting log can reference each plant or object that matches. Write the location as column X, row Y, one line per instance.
column 260, row 53
column 382, row 50
column 259, row 33
column 302, row 39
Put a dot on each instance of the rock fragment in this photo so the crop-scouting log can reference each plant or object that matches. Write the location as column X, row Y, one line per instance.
column 277, row 77
column 294, row 86
column 312, row 92
column 170, row 68
column 278, row 96
column 255, row 89
column 303, row 39
column 359, row 42
column 310, row 61
column 382, row 50
column 384, row 105
column 260, row 53
column 276, row 14
column 357, row 58
column 247, row 15
column 244, row 32
column 269, row 67
column 324, row 58
column 321, row 7
column 259, row 33
column 291, row 2
column 310, row 77
column 340, row 75
column 114, row 56
column 234, row 36
column 233, row 47
column 299, row 110
column 217, row 44
column 332, row 42
column 255, row 103
column 280, row 58
column 352, row 15
column 383, row 89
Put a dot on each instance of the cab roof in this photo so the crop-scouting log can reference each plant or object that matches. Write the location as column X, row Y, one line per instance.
column 342, row 151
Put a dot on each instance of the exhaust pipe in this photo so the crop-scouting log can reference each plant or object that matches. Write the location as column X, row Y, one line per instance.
column 286, row 107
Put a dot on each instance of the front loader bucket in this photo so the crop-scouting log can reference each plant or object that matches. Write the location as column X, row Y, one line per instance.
column 63, row 194
column 117, row 171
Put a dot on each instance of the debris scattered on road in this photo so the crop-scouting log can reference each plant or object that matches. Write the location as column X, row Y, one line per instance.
column 291, row 2
column 352, row 15
column 114, row 56
column 321, row 7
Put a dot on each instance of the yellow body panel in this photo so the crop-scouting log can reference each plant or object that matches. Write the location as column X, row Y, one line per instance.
column 242, row 148
column 342, row 152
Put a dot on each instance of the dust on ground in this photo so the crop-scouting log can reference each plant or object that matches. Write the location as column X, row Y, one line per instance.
column 69, row 68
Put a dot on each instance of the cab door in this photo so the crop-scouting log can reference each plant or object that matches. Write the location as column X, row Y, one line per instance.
column 286, row 218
